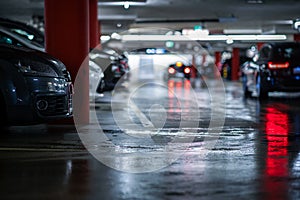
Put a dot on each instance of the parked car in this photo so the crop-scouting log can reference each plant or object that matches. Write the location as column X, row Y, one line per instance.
column 178, row 70
column 20, row 34
column 276, row 68
column 112, row 68
column 123, row 59
column 35, row 87
column 96, row 80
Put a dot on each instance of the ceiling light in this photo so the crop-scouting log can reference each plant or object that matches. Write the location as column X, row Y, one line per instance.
column 254, row 1
column 126, row 4
column 117, row 17
column 192, row 32
column 242, row 31
column 202, row 38
column 296, row 24
column 229, row 41
column 121, row 2
column 115, row 36
column 104, row 37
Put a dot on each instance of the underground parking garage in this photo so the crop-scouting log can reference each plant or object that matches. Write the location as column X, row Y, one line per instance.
column 149, row 99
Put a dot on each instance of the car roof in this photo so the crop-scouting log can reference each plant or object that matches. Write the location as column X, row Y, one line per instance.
column 282, row 44
column 12, row 23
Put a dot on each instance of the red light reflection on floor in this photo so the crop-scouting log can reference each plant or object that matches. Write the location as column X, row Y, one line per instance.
column 277, row 130
column 176, row 91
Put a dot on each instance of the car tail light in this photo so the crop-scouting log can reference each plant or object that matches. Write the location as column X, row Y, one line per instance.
column 171, row 70
column 275, row 65
column 187, row 70
column 115, row 68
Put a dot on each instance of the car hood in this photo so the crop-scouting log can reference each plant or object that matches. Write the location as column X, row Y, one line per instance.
column 19, row 54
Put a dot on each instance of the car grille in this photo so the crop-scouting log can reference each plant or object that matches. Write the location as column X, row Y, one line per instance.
column 67, row 75
column 52, row 105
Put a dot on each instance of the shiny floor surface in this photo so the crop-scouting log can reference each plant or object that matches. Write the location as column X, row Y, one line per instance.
column 166, row 140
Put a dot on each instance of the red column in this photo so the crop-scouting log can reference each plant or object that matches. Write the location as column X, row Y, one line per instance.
column 94, row 25
column 259, row 45
column 217, row 58
column 217, row 67
column 297, row 37
column 67, row 38
column 235, row 64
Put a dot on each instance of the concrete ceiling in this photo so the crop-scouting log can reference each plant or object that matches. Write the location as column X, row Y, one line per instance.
column 274, row 16
column 218, row 16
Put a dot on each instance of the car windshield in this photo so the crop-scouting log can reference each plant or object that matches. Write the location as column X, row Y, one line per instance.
column 290, row 53
column 23, row 34
column 29, row 37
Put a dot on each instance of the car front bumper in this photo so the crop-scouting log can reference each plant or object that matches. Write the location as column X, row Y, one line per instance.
column 41, row 99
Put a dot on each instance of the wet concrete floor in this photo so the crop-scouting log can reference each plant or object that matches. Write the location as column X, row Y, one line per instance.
column 161, row 141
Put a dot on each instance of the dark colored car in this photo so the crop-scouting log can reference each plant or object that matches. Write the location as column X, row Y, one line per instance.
column 114, row 68
column 277, row 69
column 35, row 87
column 178, row 70
column 124, row 66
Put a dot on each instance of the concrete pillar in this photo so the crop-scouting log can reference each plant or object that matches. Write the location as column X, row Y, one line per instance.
column 297, row 37
column 94, row 24
column 67, row 38
column 217, row 68
column 235, row 64
column 259, row 45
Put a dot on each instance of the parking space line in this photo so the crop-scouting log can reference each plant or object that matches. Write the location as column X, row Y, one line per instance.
column 142, row 117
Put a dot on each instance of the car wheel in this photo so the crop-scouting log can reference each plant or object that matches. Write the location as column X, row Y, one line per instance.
column 261, row 90
column 246, row 91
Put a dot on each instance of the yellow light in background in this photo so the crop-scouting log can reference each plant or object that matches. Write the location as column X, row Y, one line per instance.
column 178, row 64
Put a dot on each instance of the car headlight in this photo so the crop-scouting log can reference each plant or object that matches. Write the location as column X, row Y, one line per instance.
column 36, row 68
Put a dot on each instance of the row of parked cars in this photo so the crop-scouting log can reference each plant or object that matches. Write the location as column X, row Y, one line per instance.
column 36, row 87
column 276, row 67
column 107, row 67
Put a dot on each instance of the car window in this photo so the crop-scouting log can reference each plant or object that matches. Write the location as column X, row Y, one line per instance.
column 265, row 53
column 287, row 53
column 24, row 34
column 5, row 40
column 27, row 32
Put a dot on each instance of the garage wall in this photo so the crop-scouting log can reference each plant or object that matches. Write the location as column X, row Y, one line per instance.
column 144, row 66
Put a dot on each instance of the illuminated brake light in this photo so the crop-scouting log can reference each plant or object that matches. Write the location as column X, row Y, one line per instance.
column 273, row 65
column 171, row 70
column 187, row 70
